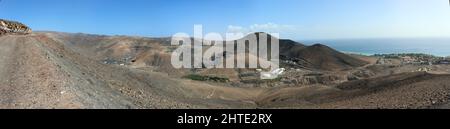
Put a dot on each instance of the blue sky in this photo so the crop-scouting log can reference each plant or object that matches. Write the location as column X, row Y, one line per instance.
column 295, row 19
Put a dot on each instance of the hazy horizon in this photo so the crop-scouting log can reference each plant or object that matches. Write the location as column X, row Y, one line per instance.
column 293, row 19
column 383, row 26
column 370, row 46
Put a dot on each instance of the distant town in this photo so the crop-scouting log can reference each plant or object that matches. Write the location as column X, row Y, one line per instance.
column 413, row 58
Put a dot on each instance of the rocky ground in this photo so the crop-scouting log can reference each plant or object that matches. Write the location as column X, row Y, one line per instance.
column 62, row 70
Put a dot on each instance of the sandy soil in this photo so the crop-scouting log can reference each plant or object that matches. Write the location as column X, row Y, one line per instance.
column 44, row 70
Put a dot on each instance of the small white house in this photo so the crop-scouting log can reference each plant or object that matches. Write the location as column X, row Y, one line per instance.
column 272, row 74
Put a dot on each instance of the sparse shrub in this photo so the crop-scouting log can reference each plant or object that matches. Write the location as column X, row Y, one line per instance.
column 206, row 78
column 195, row 77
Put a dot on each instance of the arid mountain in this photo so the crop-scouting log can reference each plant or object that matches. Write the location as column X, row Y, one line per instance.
column 322, row 57
column 318, row 56
column 64, row 70
column 288, row 46
column 39, row 71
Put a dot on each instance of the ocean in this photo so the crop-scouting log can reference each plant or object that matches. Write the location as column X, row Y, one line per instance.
column 433, row 46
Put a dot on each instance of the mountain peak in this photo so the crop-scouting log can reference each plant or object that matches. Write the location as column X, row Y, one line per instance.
column 318, row 45
column 260, row 33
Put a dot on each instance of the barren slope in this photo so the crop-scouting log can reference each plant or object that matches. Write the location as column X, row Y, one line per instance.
column 408, row 90
column 47, row 70
column 40, row 72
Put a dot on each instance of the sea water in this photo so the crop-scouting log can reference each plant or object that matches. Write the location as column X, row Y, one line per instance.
column 433, row 46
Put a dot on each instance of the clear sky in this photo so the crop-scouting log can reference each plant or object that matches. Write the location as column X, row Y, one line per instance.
column 296, row 19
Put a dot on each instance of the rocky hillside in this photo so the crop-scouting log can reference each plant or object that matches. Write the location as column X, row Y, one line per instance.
column 13, row 27
column 317, row 57
column 322, row 57
column 61, row 70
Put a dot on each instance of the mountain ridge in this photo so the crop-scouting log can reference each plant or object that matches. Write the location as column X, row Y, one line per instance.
column 55, row 70
column 317, row 56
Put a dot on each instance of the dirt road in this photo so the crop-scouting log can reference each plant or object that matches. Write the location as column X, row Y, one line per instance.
column 5, row 56
column 39, row 72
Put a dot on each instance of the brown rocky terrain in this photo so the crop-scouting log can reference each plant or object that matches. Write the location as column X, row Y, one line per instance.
column 316, row 57
column 64, row 70
column 322, row 57
column 412, row 90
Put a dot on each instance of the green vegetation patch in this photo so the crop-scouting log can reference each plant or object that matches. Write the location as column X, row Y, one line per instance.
column 197, row 77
